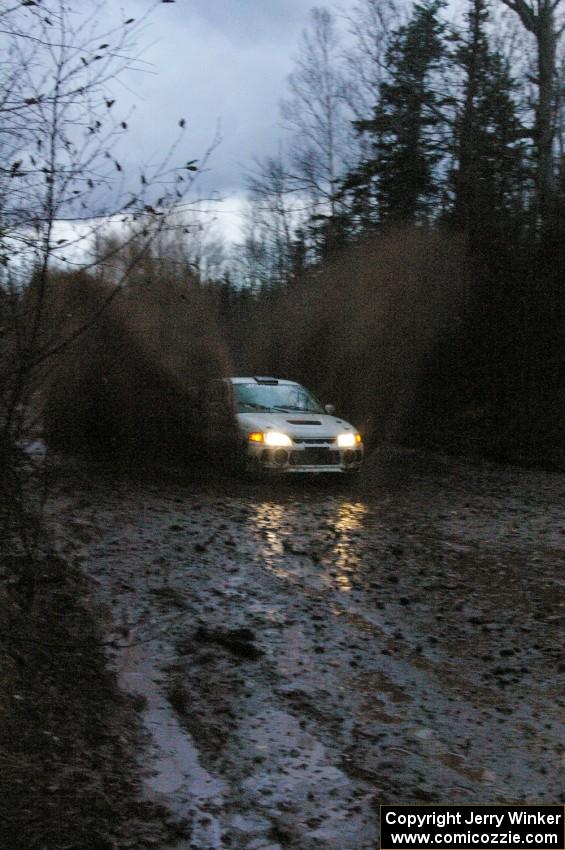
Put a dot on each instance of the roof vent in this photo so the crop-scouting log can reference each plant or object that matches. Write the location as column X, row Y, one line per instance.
column 262, row 380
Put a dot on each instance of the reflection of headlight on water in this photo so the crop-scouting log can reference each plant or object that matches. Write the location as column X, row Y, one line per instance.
column 349, row 518
column 276, row 438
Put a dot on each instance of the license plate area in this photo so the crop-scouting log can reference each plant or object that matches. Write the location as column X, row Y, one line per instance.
column 315, row 456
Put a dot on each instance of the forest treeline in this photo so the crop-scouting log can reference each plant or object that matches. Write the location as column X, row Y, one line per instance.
column 394, row 331
column 452, row 131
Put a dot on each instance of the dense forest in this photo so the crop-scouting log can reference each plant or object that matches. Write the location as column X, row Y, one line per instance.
column 401, row 254
column 419, row 135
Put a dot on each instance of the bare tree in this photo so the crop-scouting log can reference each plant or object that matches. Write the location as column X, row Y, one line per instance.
column 316, row 112
column 560, row 111
column 540, row 18
column 62, row 180
column 276, row 212
column 369, row 23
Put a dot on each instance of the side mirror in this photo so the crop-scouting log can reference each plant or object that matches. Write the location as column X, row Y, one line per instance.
column 330, row 409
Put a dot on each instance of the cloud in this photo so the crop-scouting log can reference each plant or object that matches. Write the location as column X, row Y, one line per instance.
column 216, row 64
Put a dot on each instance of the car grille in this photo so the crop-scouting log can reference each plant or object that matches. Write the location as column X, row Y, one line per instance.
column 315, row 456
column 316, row 441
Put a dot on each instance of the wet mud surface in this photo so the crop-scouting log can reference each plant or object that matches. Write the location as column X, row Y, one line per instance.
column 306, row 651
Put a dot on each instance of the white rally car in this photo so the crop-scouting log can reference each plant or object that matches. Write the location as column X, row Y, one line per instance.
column 283, row 428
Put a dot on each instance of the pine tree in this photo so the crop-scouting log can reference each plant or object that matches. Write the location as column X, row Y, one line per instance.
column 398, row 181
column 490, row 175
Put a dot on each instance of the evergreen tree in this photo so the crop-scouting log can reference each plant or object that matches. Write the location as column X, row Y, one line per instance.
column 398, row 181
column 489, row 179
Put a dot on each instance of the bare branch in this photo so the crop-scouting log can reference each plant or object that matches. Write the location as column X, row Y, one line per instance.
column 525, row 12
column 60, row 169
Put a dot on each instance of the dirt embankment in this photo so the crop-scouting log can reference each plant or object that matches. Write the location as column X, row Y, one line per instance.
column 68, row 735
column 305, row 652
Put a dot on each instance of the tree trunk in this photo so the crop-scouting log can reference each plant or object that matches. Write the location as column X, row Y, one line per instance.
column 544, row 129
column 539, row 19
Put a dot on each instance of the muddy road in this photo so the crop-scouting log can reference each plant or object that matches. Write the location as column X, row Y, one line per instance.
column 306, row 651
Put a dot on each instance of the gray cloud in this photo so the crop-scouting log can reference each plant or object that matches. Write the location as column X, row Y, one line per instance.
column 217, row 61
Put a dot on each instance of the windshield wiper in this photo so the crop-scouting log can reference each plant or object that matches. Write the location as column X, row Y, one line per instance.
column 293, row 407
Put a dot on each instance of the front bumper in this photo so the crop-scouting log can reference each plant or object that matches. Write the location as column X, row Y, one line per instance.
column 299, row 459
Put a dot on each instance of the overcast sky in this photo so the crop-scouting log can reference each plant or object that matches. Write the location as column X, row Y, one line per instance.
column 215, row 62
column 219, row 60
column 222, row 65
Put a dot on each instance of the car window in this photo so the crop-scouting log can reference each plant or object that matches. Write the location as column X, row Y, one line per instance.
column 275, row 397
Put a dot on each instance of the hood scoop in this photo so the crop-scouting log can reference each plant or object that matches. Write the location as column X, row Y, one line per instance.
column 303, row 422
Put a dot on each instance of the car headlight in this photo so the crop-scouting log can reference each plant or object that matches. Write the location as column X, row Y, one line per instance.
column 276, row 438
column 348, row 441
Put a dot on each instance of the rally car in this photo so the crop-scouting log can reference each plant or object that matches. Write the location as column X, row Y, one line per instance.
column 283, row 428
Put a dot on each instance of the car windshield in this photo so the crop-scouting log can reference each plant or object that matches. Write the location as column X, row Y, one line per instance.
column 275, row 397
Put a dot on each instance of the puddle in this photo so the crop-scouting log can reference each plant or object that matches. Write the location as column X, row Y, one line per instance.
column 172, row 773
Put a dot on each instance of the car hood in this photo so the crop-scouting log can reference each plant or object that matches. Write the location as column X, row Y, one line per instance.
column 301, row 426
